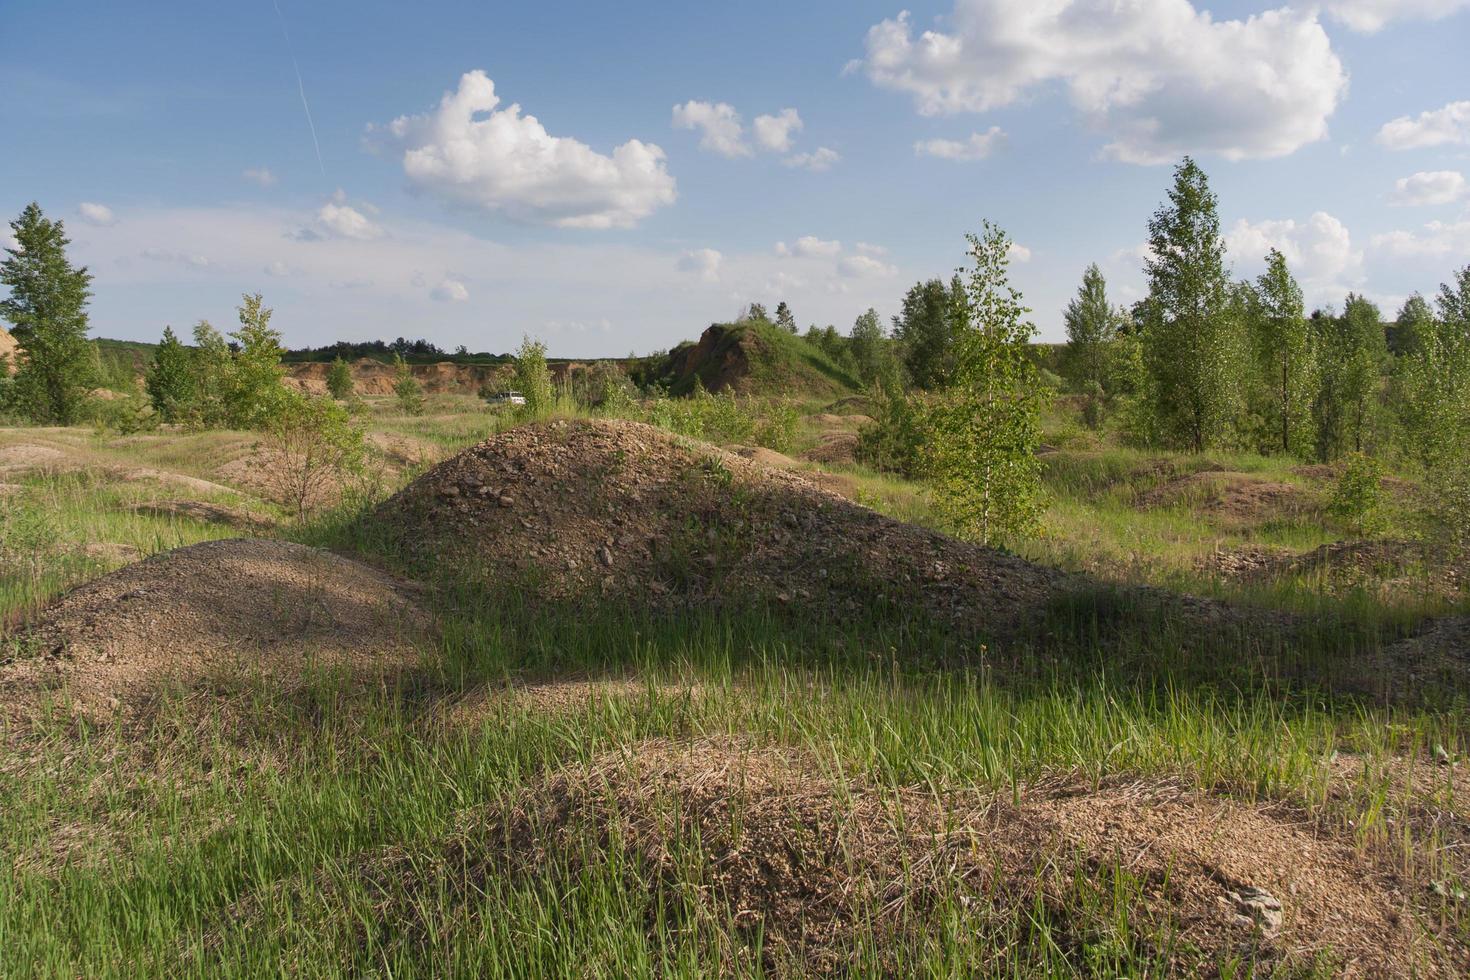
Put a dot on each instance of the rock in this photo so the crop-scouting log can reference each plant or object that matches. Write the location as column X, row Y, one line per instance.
column 1256, row 908
column 506, row 501
column 604, row 556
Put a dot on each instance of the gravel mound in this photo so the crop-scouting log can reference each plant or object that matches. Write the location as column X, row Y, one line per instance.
column 193, row 616
column 767, row 844
column 623, row 509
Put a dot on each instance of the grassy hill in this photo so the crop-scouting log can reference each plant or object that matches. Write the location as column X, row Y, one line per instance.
column 753, row 357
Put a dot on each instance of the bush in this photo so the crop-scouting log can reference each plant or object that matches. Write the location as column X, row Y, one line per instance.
column 316, row 444
column 339, row 380
column 406, row 387
column 894, row 441
column 1357, row 501
column 533, row 378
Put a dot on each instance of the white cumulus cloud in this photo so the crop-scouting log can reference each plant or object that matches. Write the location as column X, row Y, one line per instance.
column 864, row 267
column 466, row 151
column 817, row 161
column 1158, row 77
column 345, row 221
column 259, row 175
column 773, row 133
column 177, row 256
column 96, row 214
column 1369, row 16
column 720, row 126
column 1019, row 253
column 704, row 261
column 1434, row 127
column 450, row 291
column 809, row 246
column 1319, row 252
column 978, row 147
column 1435, row 241
column 1429, row 187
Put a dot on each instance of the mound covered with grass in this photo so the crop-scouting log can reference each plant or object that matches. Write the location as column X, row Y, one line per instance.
column 772, row 861
column 204, row 615
column 754, row 357
column 625, row 510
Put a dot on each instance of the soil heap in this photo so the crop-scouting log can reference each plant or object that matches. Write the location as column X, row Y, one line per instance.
column 622, row 509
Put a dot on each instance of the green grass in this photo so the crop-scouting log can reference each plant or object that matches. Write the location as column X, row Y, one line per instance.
column 267, row 832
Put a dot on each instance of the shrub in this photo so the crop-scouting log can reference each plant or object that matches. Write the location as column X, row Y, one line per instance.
column 1357, row 501
column 316, row 444
column 533, row 378
column 339, row 379
column 894, row 441
column 406, row 387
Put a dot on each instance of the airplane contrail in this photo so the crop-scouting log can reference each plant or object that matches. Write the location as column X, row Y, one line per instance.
column 300, row 86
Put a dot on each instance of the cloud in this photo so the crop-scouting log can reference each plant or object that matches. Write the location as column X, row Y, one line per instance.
column 978, row 147
column 450, row 291
column 96, row 214
column 864, row 267
column 177, row 256
column 1429, row 187
column 1319, row 251
column 1158, row 77
column 721, row 129
column 343, row 221
column 817, row 161
column 1435, row 127
column 467, row 152
column 704, row 261
column 280, row 269
column 1368, row 16
column 1436, row 240
column 260, row 175
column 868, row 248
column 809, row 246
column 1018, row 253
column 773, row 133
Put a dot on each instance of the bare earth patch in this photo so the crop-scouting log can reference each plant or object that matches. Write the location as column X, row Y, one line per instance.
column 186, row 617
column 1229, row 496
column 205, row 512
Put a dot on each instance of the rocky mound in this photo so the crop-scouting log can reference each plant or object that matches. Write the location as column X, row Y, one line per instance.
column 195, row 615
column 763, row 844
column 752, row 357
column 624, row 509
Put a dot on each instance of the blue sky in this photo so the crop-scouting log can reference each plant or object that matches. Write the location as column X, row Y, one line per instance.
column 663, row 184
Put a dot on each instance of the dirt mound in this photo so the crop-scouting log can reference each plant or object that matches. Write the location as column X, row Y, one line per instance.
column 1437, row 658
column 761, row 456
column 834, row 450
column 1231, row 496
column 373, row 377
column 764, row 843
column 628, row 510
column 24, row 457
column 207, row 513
column 8, row 348
column 1386, row 565
column 185, row 617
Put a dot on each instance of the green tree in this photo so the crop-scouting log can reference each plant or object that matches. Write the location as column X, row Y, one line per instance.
column 316, row 444
column 47, row 310
column 254, row 388
column 1190, row 341
column 1092, row 326
column 1350, row 352
column 171, row 381
column 1283, row 352
column 869, row 347
column 406, row 387
column 984, row 429
column 213, row 365
column 756, row 311
column 784, row 319
column 339, row 379
column 1411, row 327
column 931, row 317
column 533, row 377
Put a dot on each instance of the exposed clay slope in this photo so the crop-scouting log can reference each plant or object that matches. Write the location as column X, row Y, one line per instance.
column 7, row 352
column 185, row 617
column 624, row 509
column 764, row 842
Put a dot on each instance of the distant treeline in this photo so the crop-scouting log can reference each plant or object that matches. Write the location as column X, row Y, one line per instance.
column 418, row 351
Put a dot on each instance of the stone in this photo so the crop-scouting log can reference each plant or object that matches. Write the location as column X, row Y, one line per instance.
column 1256, row 908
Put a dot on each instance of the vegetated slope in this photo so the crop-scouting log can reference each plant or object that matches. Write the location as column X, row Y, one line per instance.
column 753, row 357
column 622, row 509
column 792, row 858
column 196, row 615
